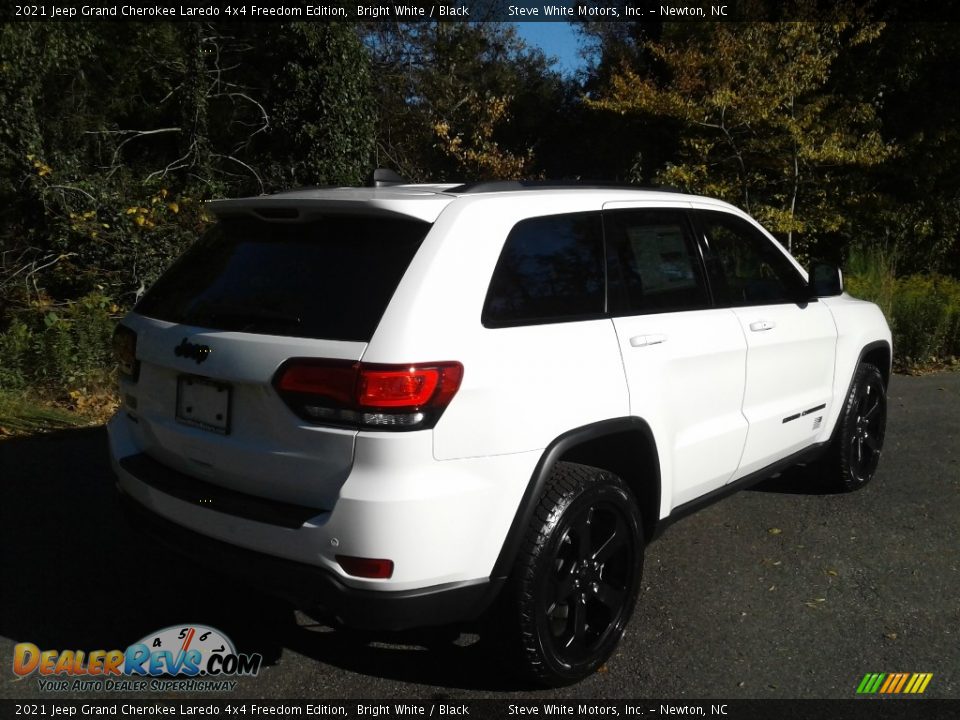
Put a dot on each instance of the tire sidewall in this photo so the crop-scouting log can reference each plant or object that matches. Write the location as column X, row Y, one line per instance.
column 604, row 490
column 851, row 477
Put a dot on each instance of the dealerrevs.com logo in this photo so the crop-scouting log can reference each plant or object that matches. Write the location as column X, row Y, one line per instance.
column 188, row 658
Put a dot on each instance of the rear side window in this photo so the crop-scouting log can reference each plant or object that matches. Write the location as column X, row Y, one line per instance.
column 550, row 270
column 330, row 278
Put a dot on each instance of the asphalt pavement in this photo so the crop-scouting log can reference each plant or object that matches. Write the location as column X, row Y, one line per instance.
column 787, row 590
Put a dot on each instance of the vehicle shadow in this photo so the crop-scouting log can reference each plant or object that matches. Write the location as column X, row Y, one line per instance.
column 798, row 480
column 77, row 576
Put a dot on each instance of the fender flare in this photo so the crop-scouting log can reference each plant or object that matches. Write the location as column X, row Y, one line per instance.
column 887, row 372
column 551, row 455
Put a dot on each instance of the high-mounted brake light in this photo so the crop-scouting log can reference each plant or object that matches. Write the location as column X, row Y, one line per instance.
column 125, row 352
column 355, row 394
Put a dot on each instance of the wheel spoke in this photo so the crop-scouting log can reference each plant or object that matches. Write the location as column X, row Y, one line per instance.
column 872, row 443
column 610, row 596
column 583, row 533
column 565, row 585
column 578, row 635
column 614, row 542
column 859, row 442
column 868, row 415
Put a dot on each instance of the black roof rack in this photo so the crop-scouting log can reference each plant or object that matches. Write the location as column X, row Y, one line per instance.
column 515, row 185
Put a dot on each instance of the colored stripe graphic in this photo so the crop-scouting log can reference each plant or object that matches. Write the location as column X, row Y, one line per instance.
column 870, row 683
column 894, row 683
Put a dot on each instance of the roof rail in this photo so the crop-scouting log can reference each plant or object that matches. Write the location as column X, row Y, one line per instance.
column 517, row 185
column 384, row 177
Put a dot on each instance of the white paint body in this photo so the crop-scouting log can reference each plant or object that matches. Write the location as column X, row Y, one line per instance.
column 439, row 502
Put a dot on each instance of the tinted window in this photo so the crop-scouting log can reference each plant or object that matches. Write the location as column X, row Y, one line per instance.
column 654, row 262
column 331, row 278
column 744, row 265
column 551, row 269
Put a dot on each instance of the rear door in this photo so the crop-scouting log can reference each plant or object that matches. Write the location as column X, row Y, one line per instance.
column 684, row 359
column 212, row 332
column 791, row 341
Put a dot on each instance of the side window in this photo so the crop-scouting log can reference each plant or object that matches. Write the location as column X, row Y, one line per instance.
column 744, row 266
column 654, row 263
column 550, row 270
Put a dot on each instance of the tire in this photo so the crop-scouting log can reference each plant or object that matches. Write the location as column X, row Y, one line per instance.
column 577, row 576
column 851, row 461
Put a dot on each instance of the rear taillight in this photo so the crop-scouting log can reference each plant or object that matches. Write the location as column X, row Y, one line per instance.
column 125, row 352
column 355, row 394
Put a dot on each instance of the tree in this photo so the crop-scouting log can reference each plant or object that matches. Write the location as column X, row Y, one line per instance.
column 759, row 122
column 116, row 133
column 459, row 100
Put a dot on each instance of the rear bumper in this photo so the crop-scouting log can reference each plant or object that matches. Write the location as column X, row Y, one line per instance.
column 311, row 587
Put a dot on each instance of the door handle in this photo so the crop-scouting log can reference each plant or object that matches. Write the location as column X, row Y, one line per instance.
column 644, row 340
column 761, row 325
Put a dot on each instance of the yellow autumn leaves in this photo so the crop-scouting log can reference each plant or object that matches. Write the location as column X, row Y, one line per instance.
column 148, row 217
column 41, row 168
column 478, row 154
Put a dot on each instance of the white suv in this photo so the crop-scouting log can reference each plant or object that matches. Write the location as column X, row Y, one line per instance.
column 402, row 403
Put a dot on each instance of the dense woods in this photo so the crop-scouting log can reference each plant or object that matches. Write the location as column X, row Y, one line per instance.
column 842, row 137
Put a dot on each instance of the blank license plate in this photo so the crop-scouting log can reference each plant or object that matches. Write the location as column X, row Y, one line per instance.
column 203, row 403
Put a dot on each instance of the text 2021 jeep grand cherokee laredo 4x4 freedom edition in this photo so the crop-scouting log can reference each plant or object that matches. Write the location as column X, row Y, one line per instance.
column 400, row 403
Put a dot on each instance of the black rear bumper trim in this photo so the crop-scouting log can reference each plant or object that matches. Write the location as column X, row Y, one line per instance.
column 213, row 497
column 313, row 588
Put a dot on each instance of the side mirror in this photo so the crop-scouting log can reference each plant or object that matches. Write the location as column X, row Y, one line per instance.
column 826, row 280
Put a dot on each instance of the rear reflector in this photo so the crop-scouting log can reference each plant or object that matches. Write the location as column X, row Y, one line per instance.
column 366, row 567
column 355, row 394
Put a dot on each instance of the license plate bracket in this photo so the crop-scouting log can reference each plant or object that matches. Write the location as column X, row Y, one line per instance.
column 204, row 403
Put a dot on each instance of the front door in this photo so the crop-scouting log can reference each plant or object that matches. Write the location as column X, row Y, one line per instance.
column 791, row 340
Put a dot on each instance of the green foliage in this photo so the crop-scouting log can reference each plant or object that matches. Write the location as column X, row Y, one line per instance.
column 114, row 134
column 320, row 105
column 15, row 345
column 20, row 413
column 871, row 274
column 923, row 310
column 57, row 347
column 760, row 124
column 926, row 318
column 459, row 101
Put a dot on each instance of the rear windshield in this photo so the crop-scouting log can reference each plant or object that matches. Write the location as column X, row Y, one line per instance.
column 329, row 278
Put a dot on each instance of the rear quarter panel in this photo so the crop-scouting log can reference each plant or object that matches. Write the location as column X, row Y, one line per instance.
column 522, row 386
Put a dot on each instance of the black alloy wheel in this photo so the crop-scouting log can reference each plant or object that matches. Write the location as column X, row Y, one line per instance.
column 578, row 574
column 854, row 455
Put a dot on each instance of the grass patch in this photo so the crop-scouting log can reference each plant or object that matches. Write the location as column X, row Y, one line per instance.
column 923, row 311
column 21, row 414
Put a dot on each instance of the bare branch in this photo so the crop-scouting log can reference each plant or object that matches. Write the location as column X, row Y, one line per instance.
column 131, row 132
column 263, row 111
column 139, row 134
column 74, row 189
column 240, row 162
column 177, row 164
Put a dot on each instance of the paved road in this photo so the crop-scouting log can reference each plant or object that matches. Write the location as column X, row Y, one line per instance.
column 782, row 591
